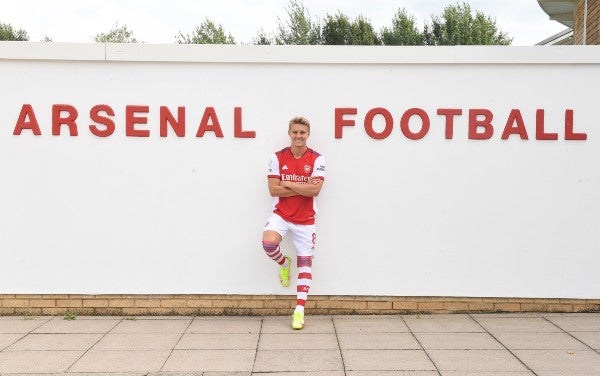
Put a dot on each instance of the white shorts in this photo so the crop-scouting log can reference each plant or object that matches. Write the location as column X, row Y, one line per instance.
column 304, row 237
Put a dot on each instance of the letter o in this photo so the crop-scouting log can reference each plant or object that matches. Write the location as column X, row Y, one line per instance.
column 389, row 123
column 406, row 118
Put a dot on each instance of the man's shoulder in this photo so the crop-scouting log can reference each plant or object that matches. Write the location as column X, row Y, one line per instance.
column 282, row 151
column 314, row 153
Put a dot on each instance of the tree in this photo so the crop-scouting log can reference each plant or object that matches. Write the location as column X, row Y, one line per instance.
column 206, row 33
column 404, row 31
column 299, row 28
column 8, row 33
column 117, row 35
column 262, row 38
column 363, row 33
column 457, row 26
column 338, row 30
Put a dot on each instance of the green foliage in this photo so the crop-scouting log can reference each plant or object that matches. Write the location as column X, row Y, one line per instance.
column 69, row 316
column 206, row 33
column 299, row 28
column 457, row 26
column 7, row 33
column 363, row 33
column 117, row 35
column 262, row 38
column 338, row 30
column 404, row 31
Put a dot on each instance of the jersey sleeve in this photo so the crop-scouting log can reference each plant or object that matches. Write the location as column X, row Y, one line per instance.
column 319, row 168
column 274, row 167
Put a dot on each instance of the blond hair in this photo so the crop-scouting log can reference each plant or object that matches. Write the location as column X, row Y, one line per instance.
column 299, row 120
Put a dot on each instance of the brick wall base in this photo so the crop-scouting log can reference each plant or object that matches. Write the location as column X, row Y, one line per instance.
column 236, row 305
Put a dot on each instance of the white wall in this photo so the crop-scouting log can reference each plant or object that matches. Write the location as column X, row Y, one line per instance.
column 435, row 216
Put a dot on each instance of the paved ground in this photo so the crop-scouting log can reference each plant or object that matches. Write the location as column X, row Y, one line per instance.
column 448, row 345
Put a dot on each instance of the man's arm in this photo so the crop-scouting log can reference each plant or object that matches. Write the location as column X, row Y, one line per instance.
column 310, row 189
column 277, row 190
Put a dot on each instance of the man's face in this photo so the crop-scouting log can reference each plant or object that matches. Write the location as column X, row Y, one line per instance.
column 298, row 134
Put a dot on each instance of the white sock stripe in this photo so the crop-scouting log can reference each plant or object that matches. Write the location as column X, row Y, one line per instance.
column 304, row 282
column 273, row 252
column 302, row 296
column 304, row 269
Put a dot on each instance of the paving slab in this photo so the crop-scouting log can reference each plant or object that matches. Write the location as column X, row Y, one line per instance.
column 486, row 373
column 443, row 324
column 377, row 341
column 8, row 339
column 298, row 341
column 283, row 324
column 60, row 325
column 14, row 325
column 138, row 341
column 218, row 341
column 120, row 361
column 565, row 362
column 210, row 360
column 317, row 373
column 458, row 341
column 387, row 360
column 591, row 339
column 539, row 341
column 476, row 360
column 357, row 324
column 392, row 373
column 507, row 315
column 299, row 361
column 37, row 361
column 55, row 342
column 225, row 325
column 588, row 323
column 517, row 324
column 151, row 326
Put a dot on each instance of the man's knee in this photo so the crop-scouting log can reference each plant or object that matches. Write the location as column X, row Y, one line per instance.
column 270, row 246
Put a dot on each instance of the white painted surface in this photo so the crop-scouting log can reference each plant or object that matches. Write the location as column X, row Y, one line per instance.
column 435, row 217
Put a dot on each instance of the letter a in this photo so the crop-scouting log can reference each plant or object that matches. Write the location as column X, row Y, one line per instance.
column 23, row 123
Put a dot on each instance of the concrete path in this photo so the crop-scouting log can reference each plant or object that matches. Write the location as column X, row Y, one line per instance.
column 448, row 345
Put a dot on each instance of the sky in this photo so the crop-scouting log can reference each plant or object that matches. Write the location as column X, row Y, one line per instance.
column 160, row 21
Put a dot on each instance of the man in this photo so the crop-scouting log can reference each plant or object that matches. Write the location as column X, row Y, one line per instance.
column 296, row 175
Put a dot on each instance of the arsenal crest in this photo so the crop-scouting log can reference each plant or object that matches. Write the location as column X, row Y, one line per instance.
column 306, row 168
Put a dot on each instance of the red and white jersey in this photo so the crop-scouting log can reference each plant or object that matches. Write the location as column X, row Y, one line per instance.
column 296, row 209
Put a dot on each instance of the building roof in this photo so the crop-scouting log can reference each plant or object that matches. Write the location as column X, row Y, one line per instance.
column 565, row 37
column 559, row 10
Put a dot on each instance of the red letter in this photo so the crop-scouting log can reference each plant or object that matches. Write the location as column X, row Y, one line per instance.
column 519, row 125
column 237, row 125
column 167, row 117
column 569, row 134
column 540, row 134
column 97, row 118
column 69, row 121
column 22, row 123
column 424, row 121
column 486, row 124
column 209, row 114
column 449, row 113
column 389, row 123
column 131, row 120
column 341, row 122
